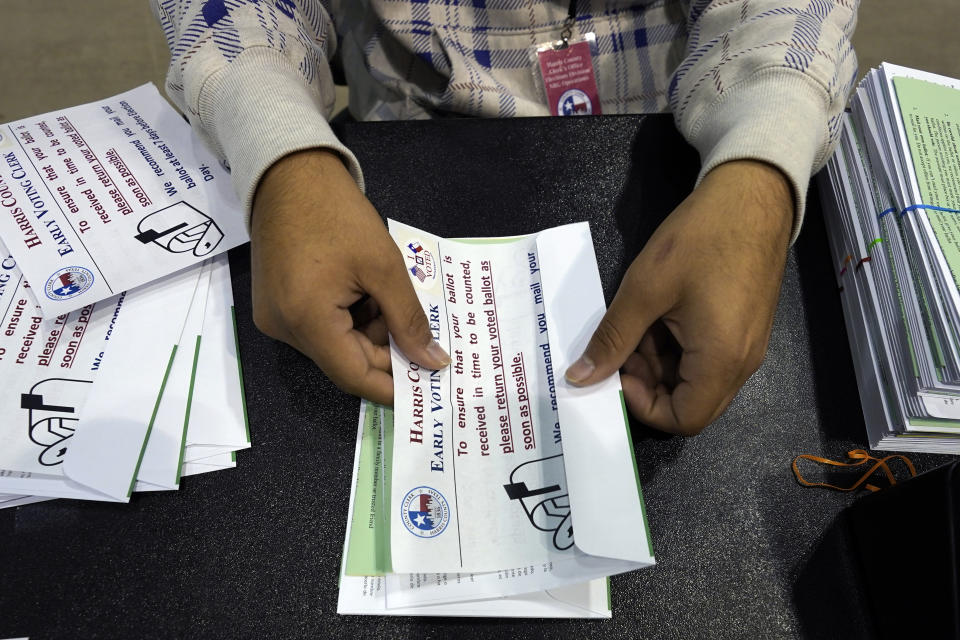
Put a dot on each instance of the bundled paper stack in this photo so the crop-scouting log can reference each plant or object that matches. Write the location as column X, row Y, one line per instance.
column 119, row 369
column 891, row 196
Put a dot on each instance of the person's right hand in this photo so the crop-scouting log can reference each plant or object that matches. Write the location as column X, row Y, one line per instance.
column 318, row 248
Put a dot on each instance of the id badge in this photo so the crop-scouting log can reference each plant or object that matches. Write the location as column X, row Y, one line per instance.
column 568, row 77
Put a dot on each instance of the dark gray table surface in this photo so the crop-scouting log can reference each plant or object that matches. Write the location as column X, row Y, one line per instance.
column 743, row 551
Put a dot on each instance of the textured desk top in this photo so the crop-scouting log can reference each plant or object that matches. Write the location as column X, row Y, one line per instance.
column 742, row 550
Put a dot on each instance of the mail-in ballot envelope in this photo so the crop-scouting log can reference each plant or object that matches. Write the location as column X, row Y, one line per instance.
column 499, row 464
column 105, row 197
column 77, row 405
column 367, row 587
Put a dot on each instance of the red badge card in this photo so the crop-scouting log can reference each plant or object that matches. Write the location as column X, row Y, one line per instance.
column 569, row 80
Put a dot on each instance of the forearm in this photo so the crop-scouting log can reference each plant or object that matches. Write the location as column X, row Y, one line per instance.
column 766, row 80
column 254, row 80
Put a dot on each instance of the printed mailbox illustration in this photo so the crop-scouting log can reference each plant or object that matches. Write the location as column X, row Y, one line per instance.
column 180, row 228
column 52, row 415
column 540, row 486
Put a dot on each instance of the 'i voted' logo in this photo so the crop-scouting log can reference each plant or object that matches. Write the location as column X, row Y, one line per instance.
column 420, row 263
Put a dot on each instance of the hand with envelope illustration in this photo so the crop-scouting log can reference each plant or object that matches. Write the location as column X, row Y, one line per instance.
column 328, row 279
column 692, row 318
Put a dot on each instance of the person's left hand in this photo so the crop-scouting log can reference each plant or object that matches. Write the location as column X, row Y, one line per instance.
column 692, row 318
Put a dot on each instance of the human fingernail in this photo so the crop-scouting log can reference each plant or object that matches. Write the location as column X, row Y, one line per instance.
column 437, row 353
column 580, row 370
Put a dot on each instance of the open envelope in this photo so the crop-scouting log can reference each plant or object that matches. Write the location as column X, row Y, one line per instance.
column 498, row 449
column 364, row 587
column 500, row 470
column 606, row 500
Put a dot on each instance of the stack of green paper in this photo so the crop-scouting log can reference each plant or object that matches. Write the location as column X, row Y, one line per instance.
column 891, row 196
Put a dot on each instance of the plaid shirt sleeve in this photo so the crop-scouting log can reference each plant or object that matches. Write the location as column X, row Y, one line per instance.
column 757, row 79
column 766, row 80
column 254, row 80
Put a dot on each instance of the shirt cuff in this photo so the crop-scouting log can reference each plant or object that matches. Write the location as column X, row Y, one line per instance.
column 777, row 116
column 258, row 109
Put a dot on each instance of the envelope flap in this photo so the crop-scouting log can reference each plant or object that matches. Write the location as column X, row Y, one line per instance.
column 606, row 501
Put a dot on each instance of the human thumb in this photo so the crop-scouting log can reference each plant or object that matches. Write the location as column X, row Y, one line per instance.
column 620, row 330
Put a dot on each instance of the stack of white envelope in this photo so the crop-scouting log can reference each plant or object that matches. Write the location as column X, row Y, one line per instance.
column 494, row 487
column 891, row 196
column 119, row 368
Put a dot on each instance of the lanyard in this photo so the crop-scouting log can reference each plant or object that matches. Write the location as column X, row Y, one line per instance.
column 568, row 23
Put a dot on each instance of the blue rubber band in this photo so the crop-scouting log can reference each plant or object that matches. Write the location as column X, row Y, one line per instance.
column 883, row 213
column 914, row 207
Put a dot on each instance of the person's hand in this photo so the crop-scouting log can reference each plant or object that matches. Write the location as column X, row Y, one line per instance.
column 328, row 278
column 692, row 318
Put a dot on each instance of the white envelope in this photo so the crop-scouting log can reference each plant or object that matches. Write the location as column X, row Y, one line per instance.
column 198, row 452
column 57, row 361
column 160, row 465
column 206, row 465
column 606, row 500
column 124, row 194
column 106, row 451
column 7, row 502
column 367, row 595
column 48, row 368
column 217, row 411
column 217, row 462
column 531, row 301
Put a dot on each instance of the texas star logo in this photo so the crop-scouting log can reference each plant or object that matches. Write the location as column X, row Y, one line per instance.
column 574, row 102
column 420, row 263
column 68, row 282
column 425, row 512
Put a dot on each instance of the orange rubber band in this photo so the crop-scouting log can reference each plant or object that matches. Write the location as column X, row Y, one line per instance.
column 858, row 457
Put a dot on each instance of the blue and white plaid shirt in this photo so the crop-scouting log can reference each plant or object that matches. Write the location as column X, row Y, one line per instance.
column 763, row 79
